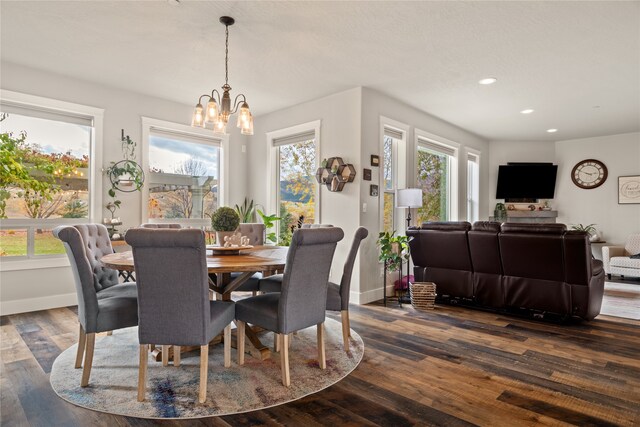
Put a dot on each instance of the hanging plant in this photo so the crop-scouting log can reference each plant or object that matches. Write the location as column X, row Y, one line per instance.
column 125, row 175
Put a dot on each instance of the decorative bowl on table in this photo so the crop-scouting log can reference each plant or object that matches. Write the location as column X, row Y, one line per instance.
column 227, row 250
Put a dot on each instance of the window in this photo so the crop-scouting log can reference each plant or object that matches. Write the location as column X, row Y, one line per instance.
column 433, row 173
column 391, row 139
column 183, row 182
column 49, row 150
column 297, row 161
column 473, row 187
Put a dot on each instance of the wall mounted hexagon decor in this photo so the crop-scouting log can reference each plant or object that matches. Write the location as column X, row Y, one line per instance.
column 335, row 173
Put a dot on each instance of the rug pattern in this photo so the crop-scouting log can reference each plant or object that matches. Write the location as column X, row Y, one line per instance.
column 173, row 392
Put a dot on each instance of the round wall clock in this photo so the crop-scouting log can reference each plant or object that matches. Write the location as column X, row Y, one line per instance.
column 589, row 174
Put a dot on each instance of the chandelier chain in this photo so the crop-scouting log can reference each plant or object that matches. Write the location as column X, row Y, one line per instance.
column 226, row 56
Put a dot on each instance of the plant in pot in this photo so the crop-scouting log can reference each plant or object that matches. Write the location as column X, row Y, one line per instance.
column 269, row 222
column 594, row 235
column 224, row 222
column 393, row 250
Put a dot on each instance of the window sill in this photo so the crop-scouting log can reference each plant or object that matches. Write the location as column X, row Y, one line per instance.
column 33, row 264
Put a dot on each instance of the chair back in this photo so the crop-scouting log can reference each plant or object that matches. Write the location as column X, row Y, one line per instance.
column 173, row 290
column 161, row 225
column 316, row 226
column 345, row 282
column 85, row 244
column 254, row 231
column 303, row 297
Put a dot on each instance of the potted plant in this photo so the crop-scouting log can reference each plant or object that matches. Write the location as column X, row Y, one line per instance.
column 594, row 235
column 393, row 251
column 269, row 222
column 246, row 211
column 224, row 222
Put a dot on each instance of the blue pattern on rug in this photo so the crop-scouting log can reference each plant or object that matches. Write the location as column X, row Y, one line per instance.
column 164, row 399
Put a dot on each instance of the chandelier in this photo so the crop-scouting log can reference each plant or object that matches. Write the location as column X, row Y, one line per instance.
column 219, row 109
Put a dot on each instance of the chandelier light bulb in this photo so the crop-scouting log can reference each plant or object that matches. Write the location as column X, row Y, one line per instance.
column 197, row 119
column 212, row 112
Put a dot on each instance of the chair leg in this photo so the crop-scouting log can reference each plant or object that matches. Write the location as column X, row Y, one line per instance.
column 142, row 372
column 322, row 360
column 240, row 331
column 165, row 355
column 227, row 346
column 609, row 276
column 176, row 355
column 290, row 339
column 283, row 340
column 276, row 343
column 88, row 360
column 204, row 370
column 346, row 329
column 82, row 342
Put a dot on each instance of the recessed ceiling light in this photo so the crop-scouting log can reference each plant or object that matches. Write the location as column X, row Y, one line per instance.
column 552, row 130
column 527, row 111
column 488, row 81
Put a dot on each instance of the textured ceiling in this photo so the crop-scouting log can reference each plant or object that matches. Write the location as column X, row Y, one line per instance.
column 560, row 58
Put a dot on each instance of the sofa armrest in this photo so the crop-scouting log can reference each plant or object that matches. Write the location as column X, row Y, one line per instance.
column 608, row 252
column 596, row 267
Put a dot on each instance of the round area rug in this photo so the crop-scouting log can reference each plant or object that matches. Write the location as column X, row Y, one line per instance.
column 173, row 392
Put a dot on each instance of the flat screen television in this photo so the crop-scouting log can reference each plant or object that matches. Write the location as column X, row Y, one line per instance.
column 526, row 181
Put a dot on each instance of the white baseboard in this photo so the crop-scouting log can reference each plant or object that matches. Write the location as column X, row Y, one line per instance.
column 366, row 297
column 35, row 304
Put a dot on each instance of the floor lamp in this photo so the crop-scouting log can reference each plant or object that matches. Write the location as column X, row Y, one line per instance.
column 408, row 198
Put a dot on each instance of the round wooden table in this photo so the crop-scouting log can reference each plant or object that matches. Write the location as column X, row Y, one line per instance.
column 265, row 259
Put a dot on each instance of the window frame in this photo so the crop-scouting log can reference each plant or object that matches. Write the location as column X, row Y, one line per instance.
column 473, row 200
column 148, row 125
column 453, row 179
column 400, row 171
column 32, row 261
column 273, row 185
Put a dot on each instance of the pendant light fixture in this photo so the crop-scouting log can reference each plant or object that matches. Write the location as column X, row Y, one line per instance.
column 218, row 108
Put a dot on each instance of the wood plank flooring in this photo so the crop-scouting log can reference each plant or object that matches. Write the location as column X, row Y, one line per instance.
column 452, row 366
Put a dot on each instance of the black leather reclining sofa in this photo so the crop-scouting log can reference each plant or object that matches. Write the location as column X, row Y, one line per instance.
column 539, row 267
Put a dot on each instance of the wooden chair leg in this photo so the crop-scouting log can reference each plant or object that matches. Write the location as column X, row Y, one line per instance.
column 283, row 340
column 204, row 370
column 240, row 331
column 322, row 360
column 165, row 355
column 88, row 360
column 82, row 342
column 142, row 372
column 176, row 355
column 290, row 339
column 227, row 346
column 346, row 329
column 276, row 342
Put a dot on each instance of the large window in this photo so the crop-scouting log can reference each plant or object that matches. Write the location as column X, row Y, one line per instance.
column 473, row 187
column 183, row 176
column 297, row 188
column 433, row 170
column 46, row 178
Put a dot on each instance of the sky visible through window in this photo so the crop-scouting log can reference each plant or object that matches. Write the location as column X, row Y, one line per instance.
column 168, row 155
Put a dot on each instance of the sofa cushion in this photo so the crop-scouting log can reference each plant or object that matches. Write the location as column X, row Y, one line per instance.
column 447, row 225
column 511, row 227
column 626, row 262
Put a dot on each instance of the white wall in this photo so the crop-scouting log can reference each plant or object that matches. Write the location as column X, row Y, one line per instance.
column 375, row 105
column 621, row 155
column 53, row 286
column 339, row 136
column 502, row 152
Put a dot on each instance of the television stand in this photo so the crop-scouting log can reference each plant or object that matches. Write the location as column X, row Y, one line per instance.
column 541, row 217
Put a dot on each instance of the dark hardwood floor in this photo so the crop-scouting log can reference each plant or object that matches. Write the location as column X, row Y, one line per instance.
column 452, row 366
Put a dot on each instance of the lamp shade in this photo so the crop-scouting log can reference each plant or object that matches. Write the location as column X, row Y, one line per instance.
column 409, row 198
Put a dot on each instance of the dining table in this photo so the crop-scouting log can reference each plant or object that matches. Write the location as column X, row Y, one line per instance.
column 264, row 259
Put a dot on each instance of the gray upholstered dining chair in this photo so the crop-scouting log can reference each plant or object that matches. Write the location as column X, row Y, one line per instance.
column 301, row 302
column 103, row 304
column 337, row 294
column 170, row 225
column 255, row 233
column 173, row 298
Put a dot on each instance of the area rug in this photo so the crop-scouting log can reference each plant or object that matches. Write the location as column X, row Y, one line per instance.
column 173, row 392
column 621, row 300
